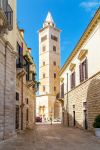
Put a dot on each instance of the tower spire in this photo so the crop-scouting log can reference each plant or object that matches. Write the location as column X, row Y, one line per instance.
column 49, row 20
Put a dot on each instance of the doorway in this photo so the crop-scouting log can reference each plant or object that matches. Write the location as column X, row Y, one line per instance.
column 85, row 120
column 74, row 120
column 17, row 117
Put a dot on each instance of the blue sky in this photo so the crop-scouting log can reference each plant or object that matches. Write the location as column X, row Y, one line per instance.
column 71, row 16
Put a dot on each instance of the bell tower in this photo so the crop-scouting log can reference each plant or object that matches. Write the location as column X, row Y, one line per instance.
column 49, row 65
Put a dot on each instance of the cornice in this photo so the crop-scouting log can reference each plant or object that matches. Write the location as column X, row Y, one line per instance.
column 86, row 34
column 49, row 27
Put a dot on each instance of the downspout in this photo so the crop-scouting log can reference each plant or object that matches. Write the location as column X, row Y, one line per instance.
column 5, row 71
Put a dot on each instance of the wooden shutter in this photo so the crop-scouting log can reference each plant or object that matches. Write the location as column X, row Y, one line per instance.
column 71, row 81
column 80, row 72
column 86, row 68
column 74, row 79
column 62, row 90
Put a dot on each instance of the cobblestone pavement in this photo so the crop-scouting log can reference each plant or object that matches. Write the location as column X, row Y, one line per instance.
column 53, row 137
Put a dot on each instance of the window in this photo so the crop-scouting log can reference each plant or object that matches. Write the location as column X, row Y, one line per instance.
column 54, row 88
column 17, row 96
column 27, row 72
column 27, row 101
column 44, row 38
column 43, row 63
column 83, row 70
column 54, row 48
column 54, row 75
column 62, row 90
column 17, row 117
column 43, row 88
column 33, row 76
column 43, row 75
column 54, row 38
column 19, row 61
column 44, row 49
column 27, row 114
column 85, row 105
column 54, row 63
column 72, row 77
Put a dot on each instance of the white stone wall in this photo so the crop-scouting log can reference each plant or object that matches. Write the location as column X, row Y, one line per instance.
column 88, row 90
column 93, row 46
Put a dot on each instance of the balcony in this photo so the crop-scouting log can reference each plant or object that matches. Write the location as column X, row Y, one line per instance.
column 6, row 16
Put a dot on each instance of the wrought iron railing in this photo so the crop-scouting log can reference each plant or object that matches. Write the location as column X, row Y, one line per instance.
column 9, row 15
column 7, row 10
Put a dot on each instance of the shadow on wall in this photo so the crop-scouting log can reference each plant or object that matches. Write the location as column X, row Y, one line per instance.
column 93, row 101
column 70, row 121
column 57, row 110
column 90, row 110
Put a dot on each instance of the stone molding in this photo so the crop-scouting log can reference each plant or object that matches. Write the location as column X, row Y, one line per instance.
column 86, row 34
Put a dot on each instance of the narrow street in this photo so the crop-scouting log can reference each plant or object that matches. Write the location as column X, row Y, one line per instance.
column 53, row 137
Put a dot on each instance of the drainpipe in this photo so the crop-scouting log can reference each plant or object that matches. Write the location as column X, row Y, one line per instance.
column 5, row 72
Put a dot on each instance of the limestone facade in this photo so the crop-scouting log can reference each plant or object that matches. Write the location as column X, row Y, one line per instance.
column 25, row 85
column 49, row 67
column 80, row 77
column 7, row 69
column 17, row 95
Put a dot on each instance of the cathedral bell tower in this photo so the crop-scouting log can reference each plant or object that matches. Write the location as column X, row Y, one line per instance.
column 49, row 66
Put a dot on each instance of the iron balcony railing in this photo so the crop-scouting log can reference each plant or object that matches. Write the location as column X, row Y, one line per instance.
column 7, row 10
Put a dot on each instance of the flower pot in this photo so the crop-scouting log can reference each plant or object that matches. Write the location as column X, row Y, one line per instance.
column 97, row 132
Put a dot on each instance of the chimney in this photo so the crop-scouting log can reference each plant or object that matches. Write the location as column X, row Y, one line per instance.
column 29, row 49
column 22, row 32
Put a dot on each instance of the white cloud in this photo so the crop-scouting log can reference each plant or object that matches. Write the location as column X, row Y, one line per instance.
column 90, row 5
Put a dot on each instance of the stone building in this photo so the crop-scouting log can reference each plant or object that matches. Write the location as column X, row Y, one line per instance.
column 80, row 79
column 49, row 67
column 25, row 85
column 7, row 68
column 17, row 75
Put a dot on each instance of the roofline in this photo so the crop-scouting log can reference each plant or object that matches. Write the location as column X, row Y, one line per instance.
column 82, row 40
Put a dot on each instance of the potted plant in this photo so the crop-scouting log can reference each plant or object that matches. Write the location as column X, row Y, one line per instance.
column 96, row 125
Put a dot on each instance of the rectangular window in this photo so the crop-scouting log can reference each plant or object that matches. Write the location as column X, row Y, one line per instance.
column 83, row 70
column 72, row 80
column 54, row 38
column 27, row 114
column 19, row 60
column 17, row 96
column 44, row 49
column 54, row 88
column 54, row 63
column 27, row 101
column 43, row 75
column 27, row 71
column 17, row 117
column 43, row 88
column 43, row 63
column 54, row 75
column 33, row 76
column 62, row 90
column 44, row 38
column 54, row 48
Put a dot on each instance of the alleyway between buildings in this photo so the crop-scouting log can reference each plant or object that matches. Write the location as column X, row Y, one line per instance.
column 53, row 137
